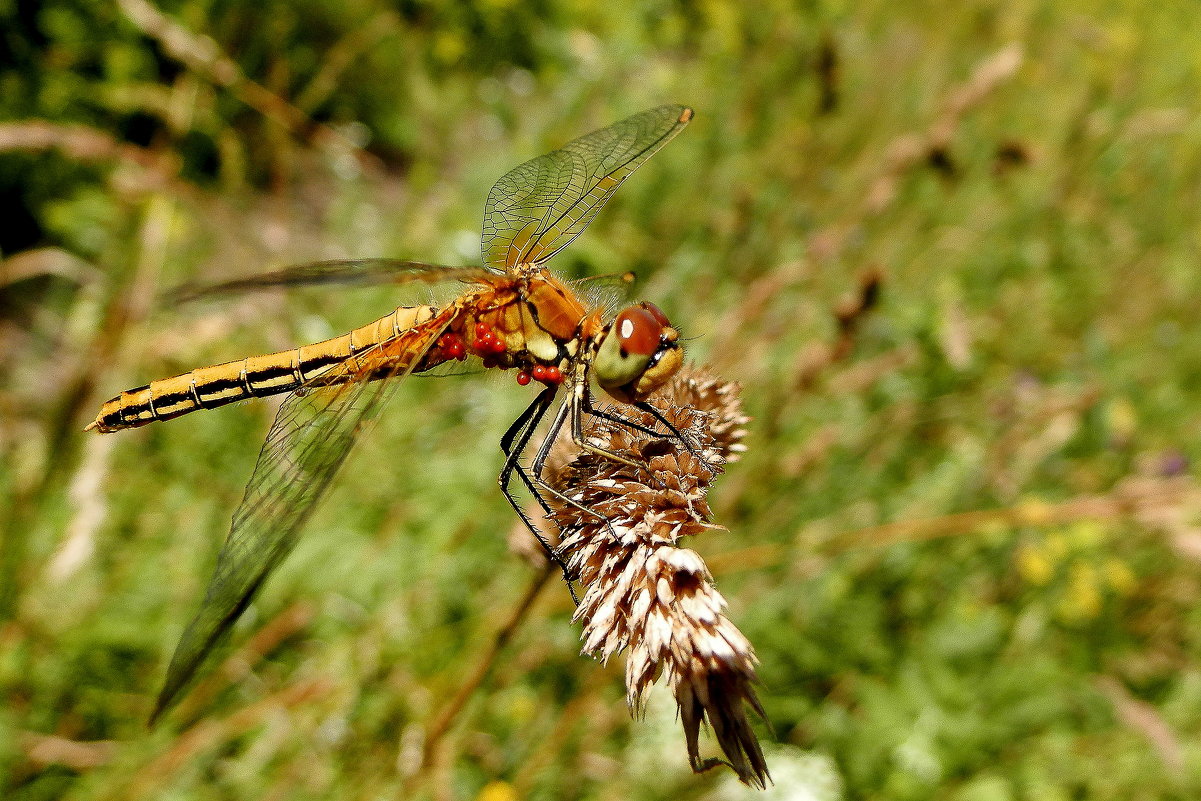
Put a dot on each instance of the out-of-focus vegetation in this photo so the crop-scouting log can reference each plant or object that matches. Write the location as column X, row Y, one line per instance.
column 965, row 537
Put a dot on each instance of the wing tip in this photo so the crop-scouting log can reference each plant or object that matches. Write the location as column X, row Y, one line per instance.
column 163, row 704
column 685, row 115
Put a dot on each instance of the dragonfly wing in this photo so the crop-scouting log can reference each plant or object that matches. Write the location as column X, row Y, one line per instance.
column 542, row 205
column 312, row 434
column 346, row 272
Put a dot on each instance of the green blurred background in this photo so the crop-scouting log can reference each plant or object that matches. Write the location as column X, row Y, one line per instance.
column 964, row 539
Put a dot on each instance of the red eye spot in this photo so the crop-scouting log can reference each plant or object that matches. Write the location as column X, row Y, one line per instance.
column 656, row 312
column 638, row 331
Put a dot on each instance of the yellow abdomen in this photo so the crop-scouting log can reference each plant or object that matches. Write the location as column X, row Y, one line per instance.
column 252, row 377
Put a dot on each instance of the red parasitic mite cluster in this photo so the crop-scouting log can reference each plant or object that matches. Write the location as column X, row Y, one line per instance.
column 453, row 346
column 540, row 372
column 489, row 347
column 487, row 343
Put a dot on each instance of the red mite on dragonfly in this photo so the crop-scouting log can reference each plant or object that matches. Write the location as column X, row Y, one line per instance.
column 515, row 314
column 489, row 347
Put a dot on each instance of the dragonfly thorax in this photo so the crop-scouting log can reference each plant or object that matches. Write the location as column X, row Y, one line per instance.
column 636, row 354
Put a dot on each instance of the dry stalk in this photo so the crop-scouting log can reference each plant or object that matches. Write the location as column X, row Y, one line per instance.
column 437, row 729
column 930, row 145
column 291, row 621
column 1145, row 719
column 446, row 717
column 1167, row 506
column 154, row 170
column 44, row 750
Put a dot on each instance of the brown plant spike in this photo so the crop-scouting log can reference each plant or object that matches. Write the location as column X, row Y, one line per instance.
column 644, row 594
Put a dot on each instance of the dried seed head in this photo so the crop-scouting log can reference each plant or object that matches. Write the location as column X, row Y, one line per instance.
column 644, row 594
column 696, row 388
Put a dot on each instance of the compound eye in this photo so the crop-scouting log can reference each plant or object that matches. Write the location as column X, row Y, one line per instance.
column 657, row 313
column 638, row 330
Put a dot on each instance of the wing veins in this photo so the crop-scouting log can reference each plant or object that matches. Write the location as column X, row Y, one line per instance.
column 353, row 272
column 587, row 207
column 558, row 194
column 265, row 528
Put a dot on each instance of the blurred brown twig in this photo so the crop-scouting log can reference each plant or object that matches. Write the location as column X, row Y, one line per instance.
column 1145, row 719
column 210, row 733
column 288, row 623
column 203, row 56
column 442, row 722
column 929, row 145
column 156, row 169
column 1161, row 504
column 47, row 749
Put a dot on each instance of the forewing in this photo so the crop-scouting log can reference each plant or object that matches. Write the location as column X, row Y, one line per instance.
column 312, row 434
column 542, row 205
column 345, row 272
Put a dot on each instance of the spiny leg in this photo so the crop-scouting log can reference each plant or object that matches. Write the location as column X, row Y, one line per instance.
column 612, row 417
column 540, row 462
column 543, row 486
column 514, row 443
column 673, row 432
column 578, row 401
column 521, row 431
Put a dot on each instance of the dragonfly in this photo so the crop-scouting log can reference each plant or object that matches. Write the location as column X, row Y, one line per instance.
column 513, row 314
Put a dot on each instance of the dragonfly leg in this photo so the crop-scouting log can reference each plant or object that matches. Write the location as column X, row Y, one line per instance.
column 540, row 463
column 538, row 407
column 577, row 404
column 673, row 432
column 519, row 434
column 514, row 443
column 612, row 417
column 676, row 433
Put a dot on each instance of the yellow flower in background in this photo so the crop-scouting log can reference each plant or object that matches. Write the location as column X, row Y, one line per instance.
column 1082, row 601
column 1034, row 565
column 1057, row 546
column 1122, row 418
column 449, row 46
column 497, row 791
column 1119, row 576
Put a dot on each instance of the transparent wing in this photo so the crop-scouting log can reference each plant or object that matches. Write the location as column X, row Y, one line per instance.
column 312, row 434
column 542, row 205
column 347, row 272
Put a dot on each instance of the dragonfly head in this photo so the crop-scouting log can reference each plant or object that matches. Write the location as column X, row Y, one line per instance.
column 637, row 353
